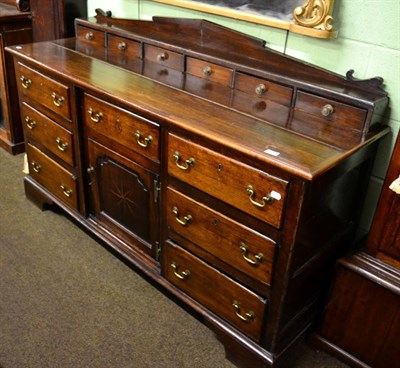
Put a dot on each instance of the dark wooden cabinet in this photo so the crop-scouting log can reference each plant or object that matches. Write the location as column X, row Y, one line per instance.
column 123, row 167
column 15, row 28
column 124, row 198
column 231, row 175
column 384, row 238
column 53, row 19
column 361, row 322
column 49, row 120
column 22, row 21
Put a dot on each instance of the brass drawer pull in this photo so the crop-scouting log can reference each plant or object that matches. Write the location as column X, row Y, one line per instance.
column 122, row 46
column 143, row 142
column 258, row 257
column 95, row 117
column 89, row 36
column 327, row 110
column 67, row 192
column 264, row 200
column 248, row 316
column 62, row 146
column 207, row 71
column 188, row 163
column 162, row 57
column 181, row 276
column 186, row 219
column 260, row 89
column 30, row 123
column 26, row 83
column 57, row 100
column 36, row 167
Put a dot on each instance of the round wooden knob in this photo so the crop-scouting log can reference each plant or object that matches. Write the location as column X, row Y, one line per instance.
column 327, row 110
column 261, row 89
column 207, row 71
column 122, row 46
column 162, row 57
column 89, row 36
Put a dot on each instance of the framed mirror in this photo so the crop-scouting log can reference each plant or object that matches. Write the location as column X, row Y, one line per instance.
column 309, row 17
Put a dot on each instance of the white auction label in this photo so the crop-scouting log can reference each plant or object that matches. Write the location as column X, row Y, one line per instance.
column 276, row 195
column 272, row 152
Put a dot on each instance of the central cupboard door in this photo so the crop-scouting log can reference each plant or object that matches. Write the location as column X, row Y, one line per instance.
column 124, row 198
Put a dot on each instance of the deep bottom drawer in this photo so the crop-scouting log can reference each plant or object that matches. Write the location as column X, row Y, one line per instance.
column 217, row 292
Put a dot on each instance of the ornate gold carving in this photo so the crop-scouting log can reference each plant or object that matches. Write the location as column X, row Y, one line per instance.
column 314, row 18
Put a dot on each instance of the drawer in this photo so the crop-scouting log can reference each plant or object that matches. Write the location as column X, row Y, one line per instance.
column 167, row 58
column 89, row 35
column 256, row 193
column 263, row 89
column 130, row 130
column 209, row 71
column 217, row 292
column 54, row 137
column 266, row 100
column 123, row 47
column 230, row 241
column 212, row 91
column 261, row 108
column 52, row 176
column 162, row 74
column 44, row 90
column 330, row 112
column 328, row 120
column 124, row 53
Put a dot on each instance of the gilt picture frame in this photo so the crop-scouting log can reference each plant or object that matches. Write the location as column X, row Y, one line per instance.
column 308, row 17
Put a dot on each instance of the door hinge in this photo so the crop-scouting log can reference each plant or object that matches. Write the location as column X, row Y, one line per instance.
column 158, row 251
column 157, row 190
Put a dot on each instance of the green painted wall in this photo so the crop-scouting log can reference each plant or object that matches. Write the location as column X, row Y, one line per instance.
column 368, row 42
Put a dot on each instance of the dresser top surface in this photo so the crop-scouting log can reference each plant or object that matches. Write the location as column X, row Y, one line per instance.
column 279, row 147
